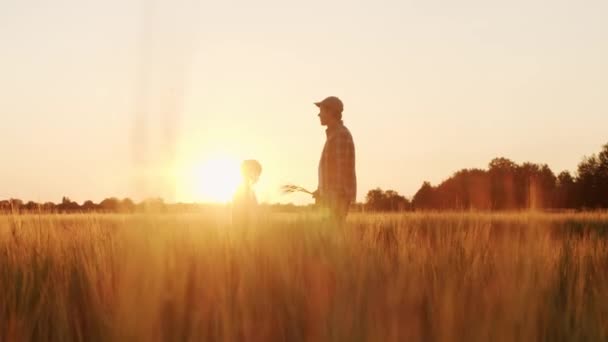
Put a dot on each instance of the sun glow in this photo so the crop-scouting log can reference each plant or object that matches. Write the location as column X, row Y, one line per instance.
column 214, row 180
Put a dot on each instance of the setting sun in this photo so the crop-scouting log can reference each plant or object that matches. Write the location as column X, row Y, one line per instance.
column 213, row 180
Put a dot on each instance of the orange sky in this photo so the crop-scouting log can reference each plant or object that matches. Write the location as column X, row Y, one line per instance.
column 95, row 94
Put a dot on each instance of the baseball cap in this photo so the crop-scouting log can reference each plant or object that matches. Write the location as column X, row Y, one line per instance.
column 331, row 102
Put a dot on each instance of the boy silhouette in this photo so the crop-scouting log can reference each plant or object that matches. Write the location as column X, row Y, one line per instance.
column 244, row 203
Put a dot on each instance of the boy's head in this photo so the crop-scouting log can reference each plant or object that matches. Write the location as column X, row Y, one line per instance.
column 251, row 170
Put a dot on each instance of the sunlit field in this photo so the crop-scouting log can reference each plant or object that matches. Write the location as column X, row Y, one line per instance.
column 292, row 277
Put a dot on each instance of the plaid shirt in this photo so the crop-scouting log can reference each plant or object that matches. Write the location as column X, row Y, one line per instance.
column 337, row 177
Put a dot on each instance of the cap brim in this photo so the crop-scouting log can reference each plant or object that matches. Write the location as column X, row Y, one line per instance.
column 318, row 104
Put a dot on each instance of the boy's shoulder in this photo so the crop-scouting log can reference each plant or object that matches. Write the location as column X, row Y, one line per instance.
column 244, row 195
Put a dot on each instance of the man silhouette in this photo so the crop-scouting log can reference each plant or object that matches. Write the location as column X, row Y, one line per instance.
column 337, row 177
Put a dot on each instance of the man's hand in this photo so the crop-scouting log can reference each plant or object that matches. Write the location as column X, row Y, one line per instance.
column 316, row 196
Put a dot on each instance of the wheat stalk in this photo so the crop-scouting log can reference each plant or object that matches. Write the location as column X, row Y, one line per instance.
column 291, row 188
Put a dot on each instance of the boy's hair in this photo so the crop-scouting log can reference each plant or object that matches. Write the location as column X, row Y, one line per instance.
column 251, row 169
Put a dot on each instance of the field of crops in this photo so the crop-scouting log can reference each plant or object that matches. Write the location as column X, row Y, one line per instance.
column 293, row 277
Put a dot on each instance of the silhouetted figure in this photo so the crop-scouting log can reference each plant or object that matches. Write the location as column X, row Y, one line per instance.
column 337, row 177
column 244, row 204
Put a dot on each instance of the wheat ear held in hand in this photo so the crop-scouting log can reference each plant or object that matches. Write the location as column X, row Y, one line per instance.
column 290, row 188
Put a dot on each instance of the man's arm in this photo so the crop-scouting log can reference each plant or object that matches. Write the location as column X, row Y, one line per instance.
column 344, row 163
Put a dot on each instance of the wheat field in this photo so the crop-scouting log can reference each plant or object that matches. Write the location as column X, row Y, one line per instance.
column 294, row 277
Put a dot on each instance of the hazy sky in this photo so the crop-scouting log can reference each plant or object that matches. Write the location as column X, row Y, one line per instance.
column 118, row 98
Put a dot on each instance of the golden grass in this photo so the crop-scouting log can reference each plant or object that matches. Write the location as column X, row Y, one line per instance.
column 390, row 277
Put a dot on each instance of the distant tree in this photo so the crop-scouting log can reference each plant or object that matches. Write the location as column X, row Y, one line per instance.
column 31, row 206
column 502, row 164
column 390, row 200
column 565, row 196
column 49, row 207
column 534, row 186
column 5, row 206
column 588, row 182
column 546, row 187
column 89, row 206
column 502, row 183
column 396, row 202
column 425, row 197
column 127, row 205
column 15, row 204
column 110, row 205
column 67, row 206
column 374, row 199
column 602, row 175
column 476, row 187
column 592, row 180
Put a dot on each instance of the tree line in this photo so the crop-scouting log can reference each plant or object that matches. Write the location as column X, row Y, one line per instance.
column 127, row 205
column 506, row 185
column 110, row 205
